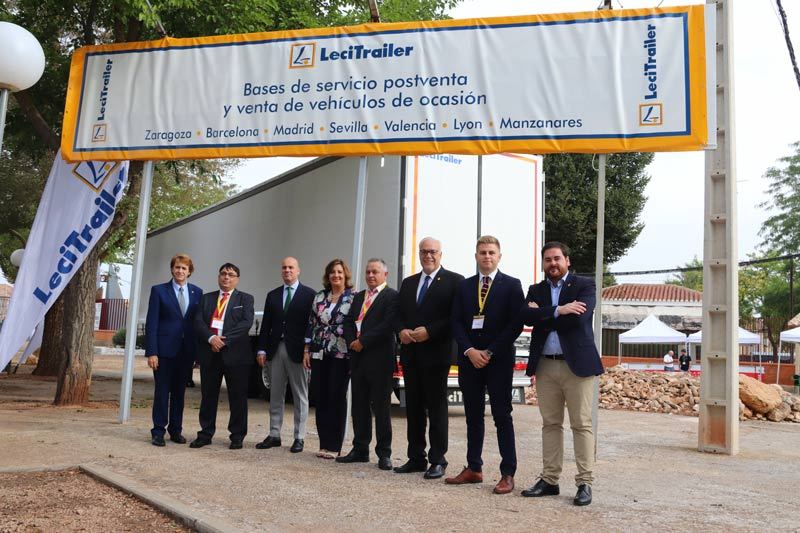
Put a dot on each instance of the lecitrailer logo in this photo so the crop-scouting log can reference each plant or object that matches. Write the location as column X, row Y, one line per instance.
column 302, row 55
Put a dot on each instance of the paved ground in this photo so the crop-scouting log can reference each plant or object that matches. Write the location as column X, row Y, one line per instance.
column 649, row 474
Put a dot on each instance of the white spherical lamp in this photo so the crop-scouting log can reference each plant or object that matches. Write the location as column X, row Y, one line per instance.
column 22, row 58
column 16, row 257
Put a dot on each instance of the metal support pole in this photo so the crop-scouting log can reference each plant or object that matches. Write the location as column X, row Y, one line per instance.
column 598, row 250
column 598, row 280
column 136, row 280
column 718, row 429
column 3, row 105
column 358, row 245
column 358, row 230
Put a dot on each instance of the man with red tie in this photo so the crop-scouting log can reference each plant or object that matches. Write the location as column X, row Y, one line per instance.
column 369, row 332
column 485, row 326
column 222, row 324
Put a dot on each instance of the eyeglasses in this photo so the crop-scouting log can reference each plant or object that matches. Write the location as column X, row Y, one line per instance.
column 428, row 252
column 228, row 275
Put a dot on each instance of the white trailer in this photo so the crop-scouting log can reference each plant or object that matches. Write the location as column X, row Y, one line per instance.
column 309, row 213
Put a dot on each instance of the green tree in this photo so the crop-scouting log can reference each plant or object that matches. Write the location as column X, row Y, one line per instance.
column 35, row 117
column 781, row 230
column 692, row 279
column 571, row 204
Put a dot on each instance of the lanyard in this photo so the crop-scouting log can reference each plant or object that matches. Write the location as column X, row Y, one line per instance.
column 221, row 305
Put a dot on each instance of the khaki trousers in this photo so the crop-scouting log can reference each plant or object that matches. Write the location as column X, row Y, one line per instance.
column 556, row 386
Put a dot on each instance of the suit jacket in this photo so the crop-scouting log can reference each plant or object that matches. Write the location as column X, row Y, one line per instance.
column 168, row 332
column 377, row 332
column 235, row 328
column 574, row 331
column 290, row 327
column 433, row 313
column 501, row 325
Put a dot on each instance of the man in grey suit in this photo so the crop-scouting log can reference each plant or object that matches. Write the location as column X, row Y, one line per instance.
column 281, row 342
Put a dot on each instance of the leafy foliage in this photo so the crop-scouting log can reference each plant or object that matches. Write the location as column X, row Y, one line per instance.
column 571, row 204
column 692, row 279
column 781, row 231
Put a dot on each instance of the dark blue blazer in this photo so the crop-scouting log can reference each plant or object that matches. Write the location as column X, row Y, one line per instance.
column 574, row 332
column 501, row 325
column 291, row 327
column 168, row 333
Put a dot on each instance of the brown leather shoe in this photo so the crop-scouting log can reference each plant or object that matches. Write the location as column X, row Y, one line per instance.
column 466, row 476
column 505, row 485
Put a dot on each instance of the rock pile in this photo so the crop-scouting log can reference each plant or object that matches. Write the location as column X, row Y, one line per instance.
column 675, row 392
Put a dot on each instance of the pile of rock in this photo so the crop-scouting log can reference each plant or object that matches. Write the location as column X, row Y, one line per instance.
column 679, row 393
column 766, row 402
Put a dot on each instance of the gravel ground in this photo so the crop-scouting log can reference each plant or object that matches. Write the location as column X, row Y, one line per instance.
column 649, row 474
column 72, row 501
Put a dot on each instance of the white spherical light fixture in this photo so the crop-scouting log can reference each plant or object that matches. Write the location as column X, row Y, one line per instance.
column 16, row 257
column 22, row 58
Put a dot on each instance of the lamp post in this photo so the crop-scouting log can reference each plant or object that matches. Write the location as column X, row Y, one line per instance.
column 21, row 64
column 16, row 257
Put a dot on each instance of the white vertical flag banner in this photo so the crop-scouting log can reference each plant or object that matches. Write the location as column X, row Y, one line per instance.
column 77, row 206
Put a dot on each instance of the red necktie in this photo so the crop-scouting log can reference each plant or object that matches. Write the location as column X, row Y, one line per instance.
column 219, row 310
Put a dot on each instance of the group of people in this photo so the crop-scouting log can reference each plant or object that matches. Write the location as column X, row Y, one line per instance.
column 345, row 337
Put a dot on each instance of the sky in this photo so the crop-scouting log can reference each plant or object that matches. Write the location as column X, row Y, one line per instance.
column 767, row 112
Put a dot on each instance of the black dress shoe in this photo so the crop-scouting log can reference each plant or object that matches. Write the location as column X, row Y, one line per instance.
column 199, row 443
column 157, row 440
column 541, row 488
column 385, row 463
column 178, row 439
column 269, row 442
column 584, row 496
column 435, row 472
column 411, row 466
column 297, row 446
column 353, row 457
column 235, row 445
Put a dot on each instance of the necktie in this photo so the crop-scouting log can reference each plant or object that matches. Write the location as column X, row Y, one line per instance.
column 423, row 289
column 485, row 287
column 288, row 300
column 181, row 301
column 367, row 303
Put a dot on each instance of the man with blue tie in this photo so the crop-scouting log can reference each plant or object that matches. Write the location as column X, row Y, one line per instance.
column 565, row 361
column 281, row 342
column 171, row 347
column 485, row 323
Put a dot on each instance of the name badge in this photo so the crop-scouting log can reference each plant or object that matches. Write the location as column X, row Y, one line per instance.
column 358, row 326
column 316, row 355
column 477, row 322
column 216, row 324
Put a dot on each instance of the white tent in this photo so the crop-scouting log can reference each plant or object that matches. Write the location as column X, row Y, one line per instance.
column 790, row 335
column 650, row 331
column 745, row 337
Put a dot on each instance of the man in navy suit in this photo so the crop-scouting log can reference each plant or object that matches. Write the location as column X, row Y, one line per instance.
column 485, row 324
column 565, row 361
column 426, row 348
column 222, row 325
column 281, row 342
column 171, row 347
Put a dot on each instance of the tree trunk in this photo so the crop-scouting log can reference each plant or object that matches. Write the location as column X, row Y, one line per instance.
column 51, row 353
column 75, row 377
